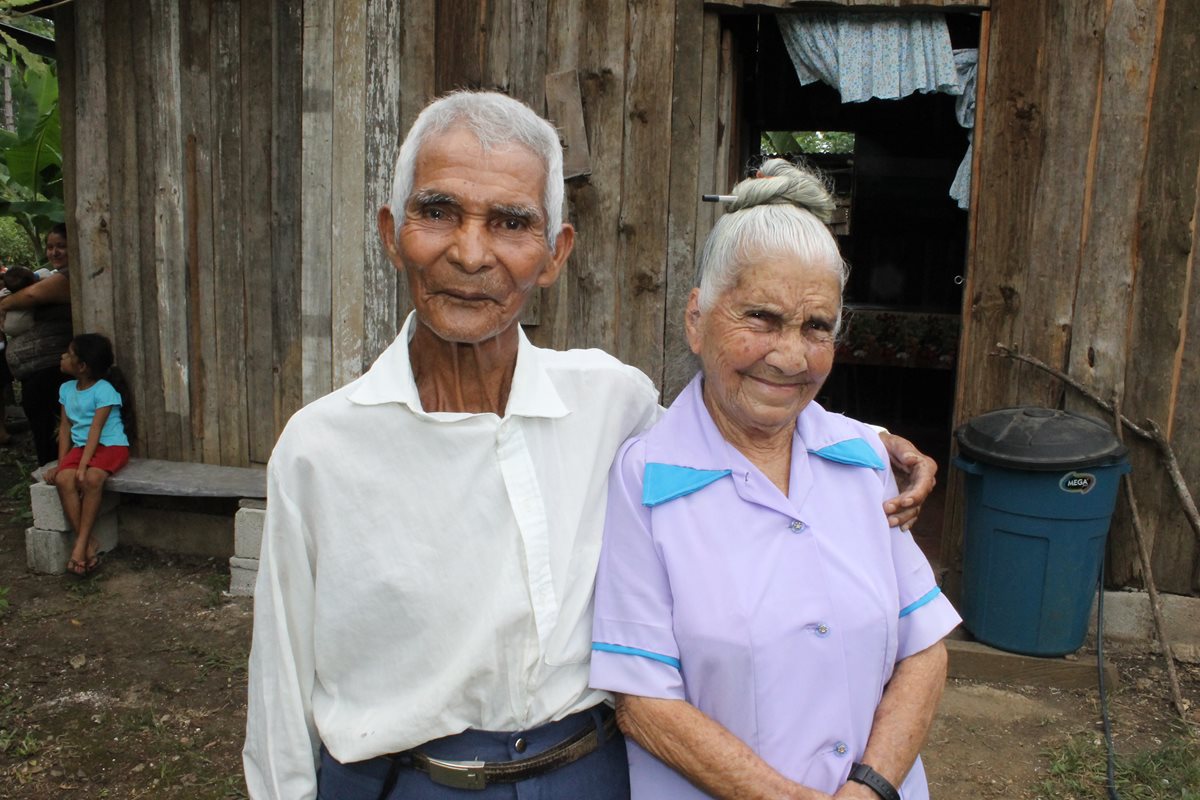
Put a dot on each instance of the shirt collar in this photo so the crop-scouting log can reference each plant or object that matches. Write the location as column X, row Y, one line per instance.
column 688, row 437
column 686, row 452
column 391, row 380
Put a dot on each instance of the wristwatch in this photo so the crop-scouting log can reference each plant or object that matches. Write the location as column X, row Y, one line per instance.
column 861, row 773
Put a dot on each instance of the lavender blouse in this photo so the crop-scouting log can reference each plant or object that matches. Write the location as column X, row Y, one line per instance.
column 781, row 617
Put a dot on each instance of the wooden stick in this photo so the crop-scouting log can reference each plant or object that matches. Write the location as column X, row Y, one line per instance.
column 1172, row 464
column 1160, row 628
column 1011, row 352
column 1151, row 431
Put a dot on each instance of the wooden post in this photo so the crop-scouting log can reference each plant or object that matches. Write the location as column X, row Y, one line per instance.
column 228, row 211
column 169, row 244
column 683, row 237
column 591, row 287
column 1160, row 371
column 316, row 200
column 642, row 243
column 350, row 229
column 203, row 434
column 92, row 243
column 125, row 166
column 277, row 351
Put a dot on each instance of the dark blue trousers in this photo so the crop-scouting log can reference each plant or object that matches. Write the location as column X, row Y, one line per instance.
column 600, row 775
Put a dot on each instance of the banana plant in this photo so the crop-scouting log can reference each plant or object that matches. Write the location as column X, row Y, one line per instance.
column 31, row 178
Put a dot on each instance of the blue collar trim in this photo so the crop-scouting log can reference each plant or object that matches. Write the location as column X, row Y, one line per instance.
column 855, row 452
column 662, row 483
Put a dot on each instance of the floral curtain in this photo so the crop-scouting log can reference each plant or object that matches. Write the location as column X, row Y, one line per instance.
column 886, row 56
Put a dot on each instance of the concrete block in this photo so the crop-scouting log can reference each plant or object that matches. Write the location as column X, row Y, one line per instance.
column 48, row 511
column 248, row 532
column 251, row 502
column 1127, row 618
column 243, row 574
column 47, row 551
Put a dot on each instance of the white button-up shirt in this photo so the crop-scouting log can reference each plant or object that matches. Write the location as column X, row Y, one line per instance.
column 424, row 573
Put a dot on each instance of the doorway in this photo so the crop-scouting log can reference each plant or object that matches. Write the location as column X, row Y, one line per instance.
column 891, row 163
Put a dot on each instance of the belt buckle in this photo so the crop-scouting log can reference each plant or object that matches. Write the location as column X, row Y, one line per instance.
column 457, row 774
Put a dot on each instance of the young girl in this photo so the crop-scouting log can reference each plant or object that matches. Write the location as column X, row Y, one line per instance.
column 92, row 440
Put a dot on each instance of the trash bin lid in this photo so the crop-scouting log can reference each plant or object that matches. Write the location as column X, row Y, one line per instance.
column 1039, row 439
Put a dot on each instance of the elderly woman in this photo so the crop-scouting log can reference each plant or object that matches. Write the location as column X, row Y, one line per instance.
column 766, row 633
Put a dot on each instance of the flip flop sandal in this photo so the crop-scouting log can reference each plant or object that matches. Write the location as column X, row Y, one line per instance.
column 92, row 564
column 78, row 568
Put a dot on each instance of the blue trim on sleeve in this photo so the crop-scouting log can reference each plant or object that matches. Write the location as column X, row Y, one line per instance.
column 925, row 598
column 604, row 647
column 855, row 452
column 662, row 483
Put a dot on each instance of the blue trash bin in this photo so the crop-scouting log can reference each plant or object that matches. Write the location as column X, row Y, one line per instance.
column 1041, row 486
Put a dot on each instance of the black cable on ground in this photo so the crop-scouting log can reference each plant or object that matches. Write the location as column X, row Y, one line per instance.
column 1108, row 743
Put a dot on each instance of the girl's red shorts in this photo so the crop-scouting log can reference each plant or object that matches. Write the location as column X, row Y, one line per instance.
column 109, row 458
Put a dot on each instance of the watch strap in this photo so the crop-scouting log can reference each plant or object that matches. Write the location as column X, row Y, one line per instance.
column 861, row 773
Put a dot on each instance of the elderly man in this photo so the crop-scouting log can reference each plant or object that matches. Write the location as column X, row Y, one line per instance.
column 423, row 609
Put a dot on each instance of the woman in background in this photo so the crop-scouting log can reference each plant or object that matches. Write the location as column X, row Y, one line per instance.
column 34, row 356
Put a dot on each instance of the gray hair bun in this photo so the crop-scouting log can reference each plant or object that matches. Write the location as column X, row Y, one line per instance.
column 783, row 183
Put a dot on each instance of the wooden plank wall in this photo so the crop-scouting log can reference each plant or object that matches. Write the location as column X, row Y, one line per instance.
column 181, row 135
column 640, row 77
column 1085, row 238
column 230, row 156
column 657, row 118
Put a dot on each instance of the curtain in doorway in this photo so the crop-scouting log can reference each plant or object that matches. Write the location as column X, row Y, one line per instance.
column 966, row 62
column 885, row 56
column 864, row 56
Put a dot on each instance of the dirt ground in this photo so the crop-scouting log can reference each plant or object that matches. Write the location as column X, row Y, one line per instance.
column 131, row 684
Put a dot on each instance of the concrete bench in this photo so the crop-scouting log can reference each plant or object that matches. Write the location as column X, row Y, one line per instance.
column 147, row 515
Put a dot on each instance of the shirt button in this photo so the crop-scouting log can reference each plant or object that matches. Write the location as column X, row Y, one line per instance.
column 519, row 745
column 797, row 525
column 841, row 748
column 822, row 630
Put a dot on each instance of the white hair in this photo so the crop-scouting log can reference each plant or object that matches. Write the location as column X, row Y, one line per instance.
column 782, row 213
column 495, row 120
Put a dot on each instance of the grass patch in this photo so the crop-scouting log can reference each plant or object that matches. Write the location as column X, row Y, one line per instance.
column 82, row 588
column 216, row 585
column 21, row 744
column 207, row 661
column 1170, row 771
column 173, row 763
column 17, row 494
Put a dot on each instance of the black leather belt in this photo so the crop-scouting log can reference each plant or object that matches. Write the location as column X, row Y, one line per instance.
column 479, row 774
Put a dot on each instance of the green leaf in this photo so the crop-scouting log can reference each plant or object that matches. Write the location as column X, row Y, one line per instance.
column 31, row 181
column 29, row 60
column 34, row 161
column 34, row 95
column 52, row 210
